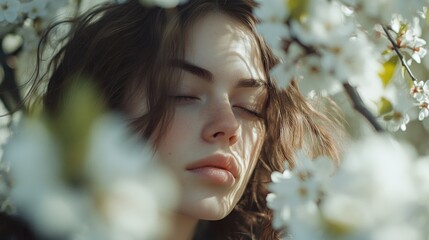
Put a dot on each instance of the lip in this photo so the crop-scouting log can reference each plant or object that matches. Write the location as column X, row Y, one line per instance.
column 217, row 168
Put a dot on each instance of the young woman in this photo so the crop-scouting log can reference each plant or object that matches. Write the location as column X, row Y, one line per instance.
column 194, row 80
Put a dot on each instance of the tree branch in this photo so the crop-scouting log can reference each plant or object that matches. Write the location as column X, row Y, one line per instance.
column 359, row 106
column 400, row 55
column 10, row 94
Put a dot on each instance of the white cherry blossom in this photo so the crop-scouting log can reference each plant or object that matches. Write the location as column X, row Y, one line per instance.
column 345, row 212
column 299, row 188
column 315, row 78
column 403, row 104
column 363, row 177
column 35, row 8
column 123, row 195
column 275, row 41
column 382, row 10
column 399, row 121
column 274, row 11
column 420, row 90
column 356, row 62
column 424, row 110
column 408, row 39
column 325, row 22
column 9, row 10
column 287, row 69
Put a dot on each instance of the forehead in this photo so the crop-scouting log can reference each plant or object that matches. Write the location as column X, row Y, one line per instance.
column 218, row 42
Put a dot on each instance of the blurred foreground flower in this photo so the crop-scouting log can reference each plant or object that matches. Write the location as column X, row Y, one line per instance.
column 378, row 192
column 88, row 177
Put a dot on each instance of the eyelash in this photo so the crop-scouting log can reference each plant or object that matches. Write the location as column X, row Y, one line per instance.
column 251, row 112
column 185, row 99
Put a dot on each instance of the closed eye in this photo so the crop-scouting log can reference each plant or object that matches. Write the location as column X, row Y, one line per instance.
column 188, row 99
column 184, row 98
column 253, row 113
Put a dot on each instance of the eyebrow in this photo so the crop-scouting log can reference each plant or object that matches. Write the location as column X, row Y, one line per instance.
column 208, row 76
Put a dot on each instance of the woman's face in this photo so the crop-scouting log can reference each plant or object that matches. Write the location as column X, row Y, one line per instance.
column 217, row 131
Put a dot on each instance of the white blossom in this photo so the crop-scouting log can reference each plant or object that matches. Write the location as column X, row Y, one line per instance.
column 399, row 121
column 424, row 110
column 418, row 52
column 35, row 8
column 9, row 10
column 299, row 188
column 398, row 232
column 377, row 171
column 307, row 223
column 36, row 177
column 420, row 90
column 325, row 22
column 314, row 77
column 407, row 37
column 413, row 44
column 356, row 62
column 274, row 34
column 275, row 11
column 346, row 213
column 30, row 38
column 287, row 70
column 403, row 104
column 120, row 195
column 370, row 197
column 382, row 10
column 134, row 187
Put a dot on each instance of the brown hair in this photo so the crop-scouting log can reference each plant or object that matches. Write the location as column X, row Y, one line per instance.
column 125, row 49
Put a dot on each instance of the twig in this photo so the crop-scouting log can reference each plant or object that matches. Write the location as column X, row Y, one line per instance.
column 10, row 94
column 359, row 106
column 400, row 55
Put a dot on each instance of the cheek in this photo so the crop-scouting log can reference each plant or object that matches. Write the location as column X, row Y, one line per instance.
column 249, row 148
column 178, row 138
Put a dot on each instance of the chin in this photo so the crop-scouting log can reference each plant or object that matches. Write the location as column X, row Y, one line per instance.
column 208, row 210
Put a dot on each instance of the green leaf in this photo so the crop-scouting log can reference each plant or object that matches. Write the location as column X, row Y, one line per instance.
column 81, row 108
column 298, row 8
column 384, row 106
column 388, row 117
column 389, row 67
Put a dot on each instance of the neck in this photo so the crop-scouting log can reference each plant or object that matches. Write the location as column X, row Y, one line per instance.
column 183, row 227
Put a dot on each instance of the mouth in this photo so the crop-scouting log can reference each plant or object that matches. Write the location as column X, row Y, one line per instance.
column 217, row 169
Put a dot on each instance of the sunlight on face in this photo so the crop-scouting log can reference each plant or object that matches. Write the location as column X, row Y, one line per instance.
column 216, row 135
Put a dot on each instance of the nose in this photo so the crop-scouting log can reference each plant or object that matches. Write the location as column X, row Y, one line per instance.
column 222, row 126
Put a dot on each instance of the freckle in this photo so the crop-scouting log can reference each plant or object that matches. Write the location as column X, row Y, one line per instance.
column 169, row 153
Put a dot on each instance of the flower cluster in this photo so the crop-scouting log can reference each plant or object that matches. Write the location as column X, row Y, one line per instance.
column 420, row 92
column 14, row 13
column 325, row 45
column 299, row 188
column 370, row 12
column 115, row 192
column 379, row 193
column 89, row 171
column 405, row 40
column 320, row 46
